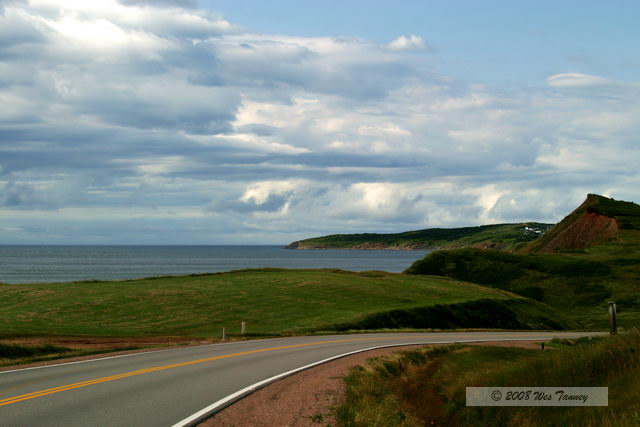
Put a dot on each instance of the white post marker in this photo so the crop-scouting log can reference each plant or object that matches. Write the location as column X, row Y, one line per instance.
column 224, row 333
column 243, row 327
column 612, row 318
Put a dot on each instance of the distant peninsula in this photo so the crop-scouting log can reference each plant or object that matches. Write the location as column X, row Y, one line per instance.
column 497, row 236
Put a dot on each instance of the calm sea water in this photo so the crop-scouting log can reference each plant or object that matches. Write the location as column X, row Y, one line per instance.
column 31, row 264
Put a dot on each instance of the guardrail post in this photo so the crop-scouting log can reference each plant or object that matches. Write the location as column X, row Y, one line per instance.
column 613, row 324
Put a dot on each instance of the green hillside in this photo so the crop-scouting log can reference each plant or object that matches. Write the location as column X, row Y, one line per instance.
column 595, row 221
column 503, row 236
column 579, row 281
column 271, row 301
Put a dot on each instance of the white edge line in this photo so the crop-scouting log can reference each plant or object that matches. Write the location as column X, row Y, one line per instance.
column 217, row 406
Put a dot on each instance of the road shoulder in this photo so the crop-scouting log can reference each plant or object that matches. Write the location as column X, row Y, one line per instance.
column 308, row 398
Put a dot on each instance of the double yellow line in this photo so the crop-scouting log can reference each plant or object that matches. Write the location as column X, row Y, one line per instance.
column 40, row 393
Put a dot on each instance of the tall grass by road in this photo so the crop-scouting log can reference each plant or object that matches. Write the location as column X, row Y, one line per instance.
column 427, row 387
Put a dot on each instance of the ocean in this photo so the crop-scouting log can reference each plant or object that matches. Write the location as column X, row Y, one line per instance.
column 43, row 263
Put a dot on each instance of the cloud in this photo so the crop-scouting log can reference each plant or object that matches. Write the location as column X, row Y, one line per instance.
column 576, row 80
column 125, row 116
column 16, row 30
column 18, row 195
column 412, row 42
column 273, row 203
column 190, row 4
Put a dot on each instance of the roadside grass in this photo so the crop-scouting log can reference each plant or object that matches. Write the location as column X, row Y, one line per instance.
column 271, row 301
column 15, row 351
column 15, row 354
column 427, row 387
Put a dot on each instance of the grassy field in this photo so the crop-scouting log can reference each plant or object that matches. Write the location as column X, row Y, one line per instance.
column 427, row 387
column 271, row 301
column 505, row 236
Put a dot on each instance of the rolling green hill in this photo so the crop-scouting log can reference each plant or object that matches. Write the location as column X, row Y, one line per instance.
column 271, row 301
column 588, row 259
column 502, row 236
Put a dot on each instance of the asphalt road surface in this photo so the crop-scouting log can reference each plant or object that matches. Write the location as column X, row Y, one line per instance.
column 180, row 386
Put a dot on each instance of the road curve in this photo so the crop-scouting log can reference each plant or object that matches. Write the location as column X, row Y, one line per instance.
column 179, row 386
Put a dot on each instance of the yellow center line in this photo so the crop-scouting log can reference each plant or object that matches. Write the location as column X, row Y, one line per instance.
column 40, row 393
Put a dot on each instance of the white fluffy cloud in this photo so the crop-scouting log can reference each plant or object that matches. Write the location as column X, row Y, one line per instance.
column 122, row 119
column 576, row 80
column 407, row 43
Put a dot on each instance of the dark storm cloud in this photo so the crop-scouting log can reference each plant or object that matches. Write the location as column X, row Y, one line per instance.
column 18, row 195
column 145, row 114
column 106, row 149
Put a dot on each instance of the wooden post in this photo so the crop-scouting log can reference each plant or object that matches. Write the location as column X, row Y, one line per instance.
column 612, row 318
column 243, row 327
column 224, row 333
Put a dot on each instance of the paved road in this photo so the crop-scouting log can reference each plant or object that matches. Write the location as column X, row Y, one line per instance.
column 164, row 388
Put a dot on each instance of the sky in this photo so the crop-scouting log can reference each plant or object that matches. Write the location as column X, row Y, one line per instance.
column 252, row 122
